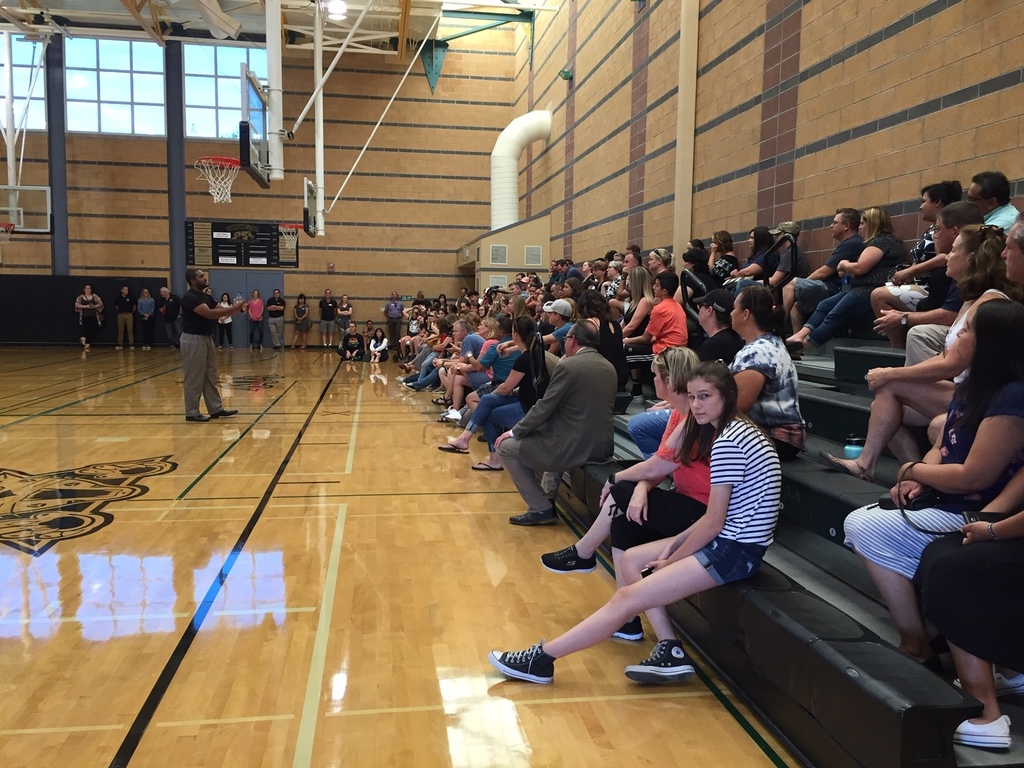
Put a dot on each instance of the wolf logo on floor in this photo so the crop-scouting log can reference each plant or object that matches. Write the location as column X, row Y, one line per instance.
column 37, row 511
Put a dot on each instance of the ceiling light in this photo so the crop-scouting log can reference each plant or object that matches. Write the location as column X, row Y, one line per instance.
column 337, row 10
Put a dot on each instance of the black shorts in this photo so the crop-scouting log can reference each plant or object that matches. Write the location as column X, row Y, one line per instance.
column 668, row 514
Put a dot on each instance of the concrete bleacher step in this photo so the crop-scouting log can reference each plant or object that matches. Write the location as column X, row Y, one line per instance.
column 833, row 414
column 852, row 363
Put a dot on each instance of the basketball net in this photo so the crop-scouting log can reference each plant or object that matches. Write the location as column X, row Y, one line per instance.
column 219, row 172
column 6, row 230
column 290, row 235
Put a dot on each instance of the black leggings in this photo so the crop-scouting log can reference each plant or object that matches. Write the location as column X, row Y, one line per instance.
column 668, row 514
column 224, row 332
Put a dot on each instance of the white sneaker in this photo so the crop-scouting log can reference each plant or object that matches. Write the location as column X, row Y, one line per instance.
column 994, row 735
column 1005, row 686
column 453, row 415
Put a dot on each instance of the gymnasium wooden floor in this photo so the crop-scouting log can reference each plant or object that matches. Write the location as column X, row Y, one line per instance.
column 309, row 583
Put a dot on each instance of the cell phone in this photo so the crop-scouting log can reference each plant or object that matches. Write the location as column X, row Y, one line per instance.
column 645, row 572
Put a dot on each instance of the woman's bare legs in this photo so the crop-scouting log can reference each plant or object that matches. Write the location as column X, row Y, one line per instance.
column 886, row 427
column 901, row 598
column 976, row 680
column 666, row 586
column 599, row 531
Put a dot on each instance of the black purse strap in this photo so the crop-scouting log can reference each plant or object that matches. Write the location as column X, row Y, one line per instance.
column 903, row 512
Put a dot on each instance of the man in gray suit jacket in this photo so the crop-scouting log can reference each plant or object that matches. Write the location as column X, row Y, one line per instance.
column 568, row 427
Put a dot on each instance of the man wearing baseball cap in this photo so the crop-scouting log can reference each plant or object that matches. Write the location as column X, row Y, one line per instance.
column 722, row 342
column 559, row 314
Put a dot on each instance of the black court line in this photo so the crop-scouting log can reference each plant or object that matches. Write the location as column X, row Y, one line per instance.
column 84, row 399
column 74, row 389
column 138, row 728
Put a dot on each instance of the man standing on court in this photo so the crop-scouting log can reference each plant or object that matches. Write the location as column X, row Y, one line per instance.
column 275, row 319
column 568, row 427
column 125, row 317
column 169, row 307
column 328, row 309
column 200, row 313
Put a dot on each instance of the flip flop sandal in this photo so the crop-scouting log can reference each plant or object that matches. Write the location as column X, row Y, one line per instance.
column 449, row 448
column 482, row 467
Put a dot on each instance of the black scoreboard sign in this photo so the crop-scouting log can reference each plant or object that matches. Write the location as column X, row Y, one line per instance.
column 238, row 244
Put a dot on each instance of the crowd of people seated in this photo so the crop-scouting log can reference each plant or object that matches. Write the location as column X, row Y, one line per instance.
column 709, row 330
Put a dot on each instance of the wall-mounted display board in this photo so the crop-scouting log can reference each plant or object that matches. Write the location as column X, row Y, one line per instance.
column 251, row 244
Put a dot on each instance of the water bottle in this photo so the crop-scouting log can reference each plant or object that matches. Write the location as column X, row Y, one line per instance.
column 853, row 448
column 239, row 298
column 847, row 282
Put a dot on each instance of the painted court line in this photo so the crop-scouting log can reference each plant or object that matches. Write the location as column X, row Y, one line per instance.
column 519, row 702
column 355, row 425
column 314, row 683
column 151, row 616
column 66, row 729
column 222, row 721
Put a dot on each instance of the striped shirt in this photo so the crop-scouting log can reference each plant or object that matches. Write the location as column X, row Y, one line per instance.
column 745, row 459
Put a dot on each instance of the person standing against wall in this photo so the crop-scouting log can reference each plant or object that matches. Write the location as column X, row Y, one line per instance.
column 169, row 306
column 256, row 320
column 224, row 330
column 394, row 310
column 275, row 319
column 328, row 308
column 200, row 314
column 126, row 304
column 146, row 310
column 90, row 311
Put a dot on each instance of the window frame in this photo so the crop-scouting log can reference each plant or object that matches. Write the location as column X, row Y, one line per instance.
column 223, row 81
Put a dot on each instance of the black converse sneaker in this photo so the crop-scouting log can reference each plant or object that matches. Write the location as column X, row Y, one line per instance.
column 666, row 664
column 532, row 665
column 631, row 630
column 568, row 559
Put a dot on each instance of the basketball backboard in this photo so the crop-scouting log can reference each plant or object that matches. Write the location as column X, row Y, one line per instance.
column 27, row 208
column 309, row 207
column 253, row 147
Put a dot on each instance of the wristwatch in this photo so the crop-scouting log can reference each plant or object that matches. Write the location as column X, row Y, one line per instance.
column 904, row 320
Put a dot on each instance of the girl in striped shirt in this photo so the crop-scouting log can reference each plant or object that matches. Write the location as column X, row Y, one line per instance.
column 726, row 544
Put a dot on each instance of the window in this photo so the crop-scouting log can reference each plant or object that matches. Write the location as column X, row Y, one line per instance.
column 25, row 57
column 499, row 255
column 213, row 90
column 533, row 256
column 114, row 86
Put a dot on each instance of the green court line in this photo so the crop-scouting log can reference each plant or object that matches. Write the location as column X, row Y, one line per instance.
column 718, row 693
column 234, row 442
column 78, row 402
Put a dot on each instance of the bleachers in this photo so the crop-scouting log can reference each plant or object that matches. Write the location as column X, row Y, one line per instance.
column 807, row 642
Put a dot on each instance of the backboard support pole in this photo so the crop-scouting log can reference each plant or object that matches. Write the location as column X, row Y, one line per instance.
column 274, row 91
column 318, row 115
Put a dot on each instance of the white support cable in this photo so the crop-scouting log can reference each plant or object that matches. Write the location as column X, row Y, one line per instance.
column 320, row 85
column 426, row 37
column 39, row 68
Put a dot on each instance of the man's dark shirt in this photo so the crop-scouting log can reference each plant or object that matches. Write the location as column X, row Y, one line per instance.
column 191, row 322
column 171, row 307
column 327, row 309
column 275, row 307
column 125, row 304
column 722, row 346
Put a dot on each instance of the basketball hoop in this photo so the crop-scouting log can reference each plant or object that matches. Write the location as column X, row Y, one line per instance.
column 290, row 235
column 6, row 230
column 220, row 172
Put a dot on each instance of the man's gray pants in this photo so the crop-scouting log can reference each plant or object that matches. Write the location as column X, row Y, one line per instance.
column 537, row 492
column 199, row 360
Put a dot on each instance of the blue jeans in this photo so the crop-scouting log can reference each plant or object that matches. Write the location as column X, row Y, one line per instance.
column 834, row 314
column 256, row 333
column 485, row 406
column 429, row 378
column 501, row 418
column 647, row 429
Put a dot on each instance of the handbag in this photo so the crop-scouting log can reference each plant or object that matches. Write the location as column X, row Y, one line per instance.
column 929, row 498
